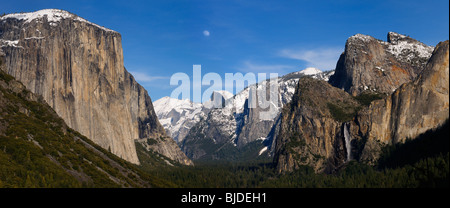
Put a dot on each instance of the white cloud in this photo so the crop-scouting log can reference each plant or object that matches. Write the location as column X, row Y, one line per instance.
column 322, row 58
column 265, row 68
column 206, row 33
column 143, row 77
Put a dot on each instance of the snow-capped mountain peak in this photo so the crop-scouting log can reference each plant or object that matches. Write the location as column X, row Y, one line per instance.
column 166, row 104
column 54, row 16
column 218, row 99
column 178, row 116
column 310, row 71
column 225, row 94
column 237, row 124
column 404, row 47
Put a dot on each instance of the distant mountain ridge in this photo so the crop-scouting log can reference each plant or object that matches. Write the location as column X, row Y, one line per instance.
column 234, row 125
column 178, row 116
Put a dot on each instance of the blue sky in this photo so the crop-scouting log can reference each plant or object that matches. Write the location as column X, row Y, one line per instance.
column 160, row 38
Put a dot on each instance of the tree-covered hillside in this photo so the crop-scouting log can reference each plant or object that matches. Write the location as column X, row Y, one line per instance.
column 37, row 149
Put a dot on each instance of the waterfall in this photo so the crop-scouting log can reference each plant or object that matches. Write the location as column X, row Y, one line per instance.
column 348, row 146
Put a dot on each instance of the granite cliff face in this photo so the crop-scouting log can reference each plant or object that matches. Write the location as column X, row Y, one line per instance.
column 349, row 128
column 311, row 133
column 412, row 109
column 77, row 67
column 371, row 65
column 40, row 151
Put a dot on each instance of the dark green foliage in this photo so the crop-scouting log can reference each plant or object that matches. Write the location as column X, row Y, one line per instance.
column 218, row 174
column 296, row 140
column 6, row 77
column 249, row 152
column 151, row 141
column 262, row 175
column 420, row 163
column 152, row 159
column 223, row 151
column 37, row 149
column 429, row 144
column 3, row 75
column 366, row 98
column 357, row 175
column 342, row 114
column 229, row 152
column 208, row 146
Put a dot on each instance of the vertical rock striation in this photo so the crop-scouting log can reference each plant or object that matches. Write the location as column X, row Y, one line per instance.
column 412, row 109
column 415, row 84
column 311, row 132
column 77, row 67
column 375, row 66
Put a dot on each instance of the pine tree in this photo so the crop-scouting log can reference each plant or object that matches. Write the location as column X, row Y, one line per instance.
column 28, row 158
column 28, row 182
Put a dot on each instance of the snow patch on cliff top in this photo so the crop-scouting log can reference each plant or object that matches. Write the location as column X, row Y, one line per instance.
column 53, row 16
column 421, row 50
column 362, row 37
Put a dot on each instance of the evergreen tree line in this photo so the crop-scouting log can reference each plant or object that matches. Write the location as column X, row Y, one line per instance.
column 421, row 162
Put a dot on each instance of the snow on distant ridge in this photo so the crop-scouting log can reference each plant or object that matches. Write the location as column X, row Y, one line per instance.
column 214, row 102
column 310, row 71
column 53, row 16
column 226, row 95
column 164, row 105
column 178, row 116
column 169, row 110
column 315, row 73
